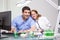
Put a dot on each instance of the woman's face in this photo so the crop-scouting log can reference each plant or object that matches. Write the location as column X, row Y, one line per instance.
column 34, row 15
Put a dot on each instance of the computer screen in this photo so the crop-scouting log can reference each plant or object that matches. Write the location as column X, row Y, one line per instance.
column 5, row 20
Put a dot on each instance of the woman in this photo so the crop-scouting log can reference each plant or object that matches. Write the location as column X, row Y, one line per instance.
column 42, row 22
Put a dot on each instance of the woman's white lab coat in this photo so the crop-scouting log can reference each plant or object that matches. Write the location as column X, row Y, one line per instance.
column 43, row 23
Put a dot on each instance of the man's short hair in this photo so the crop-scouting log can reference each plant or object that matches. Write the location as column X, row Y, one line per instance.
column 25, row 8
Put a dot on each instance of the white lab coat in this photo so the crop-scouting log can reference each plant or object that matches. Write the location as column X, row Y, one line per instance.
column 43, row 23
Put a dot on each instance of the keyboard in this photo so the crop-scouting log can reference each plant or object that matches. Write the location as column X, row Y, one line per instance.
column 3, row 36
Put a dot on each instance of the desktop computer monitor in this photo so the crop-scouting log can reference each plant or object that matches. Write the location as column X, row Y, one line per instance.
column 5, row 20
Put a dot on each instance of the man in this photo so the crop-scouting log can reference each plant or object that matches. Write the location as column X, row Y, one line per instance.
column 23, row 23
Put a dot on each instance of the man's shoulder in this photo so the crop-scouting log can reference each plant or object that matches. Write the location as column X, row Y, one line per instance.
column 17, row 18
column 30, row 18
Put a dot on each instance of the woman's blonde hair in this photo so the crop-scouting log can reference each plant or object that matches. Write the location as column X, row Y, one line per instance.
column 39, row 15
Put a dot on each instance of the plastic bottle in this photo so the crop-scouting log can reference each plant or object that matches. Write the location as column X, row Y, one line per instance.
column 31, row 34
column 15, row 34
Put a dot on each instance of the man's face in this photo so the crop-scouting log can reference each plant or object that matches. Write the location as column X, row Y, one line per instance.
column 26, row 14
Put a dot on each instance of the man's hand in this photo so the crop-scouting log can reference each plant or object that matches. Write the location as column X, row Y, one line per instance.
column 21, row 31
column 12, row 30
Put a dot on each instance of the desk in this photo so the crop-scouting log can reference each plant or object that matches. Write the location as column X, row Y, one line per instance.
column 11, row 37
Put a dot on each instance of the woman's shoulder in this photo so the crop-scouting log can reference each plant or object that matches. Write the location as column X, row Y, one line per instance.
column 42, row 17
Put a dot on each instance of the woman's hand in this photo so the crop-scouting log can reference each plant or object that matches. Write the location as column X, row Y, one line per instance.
column 41, row 30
